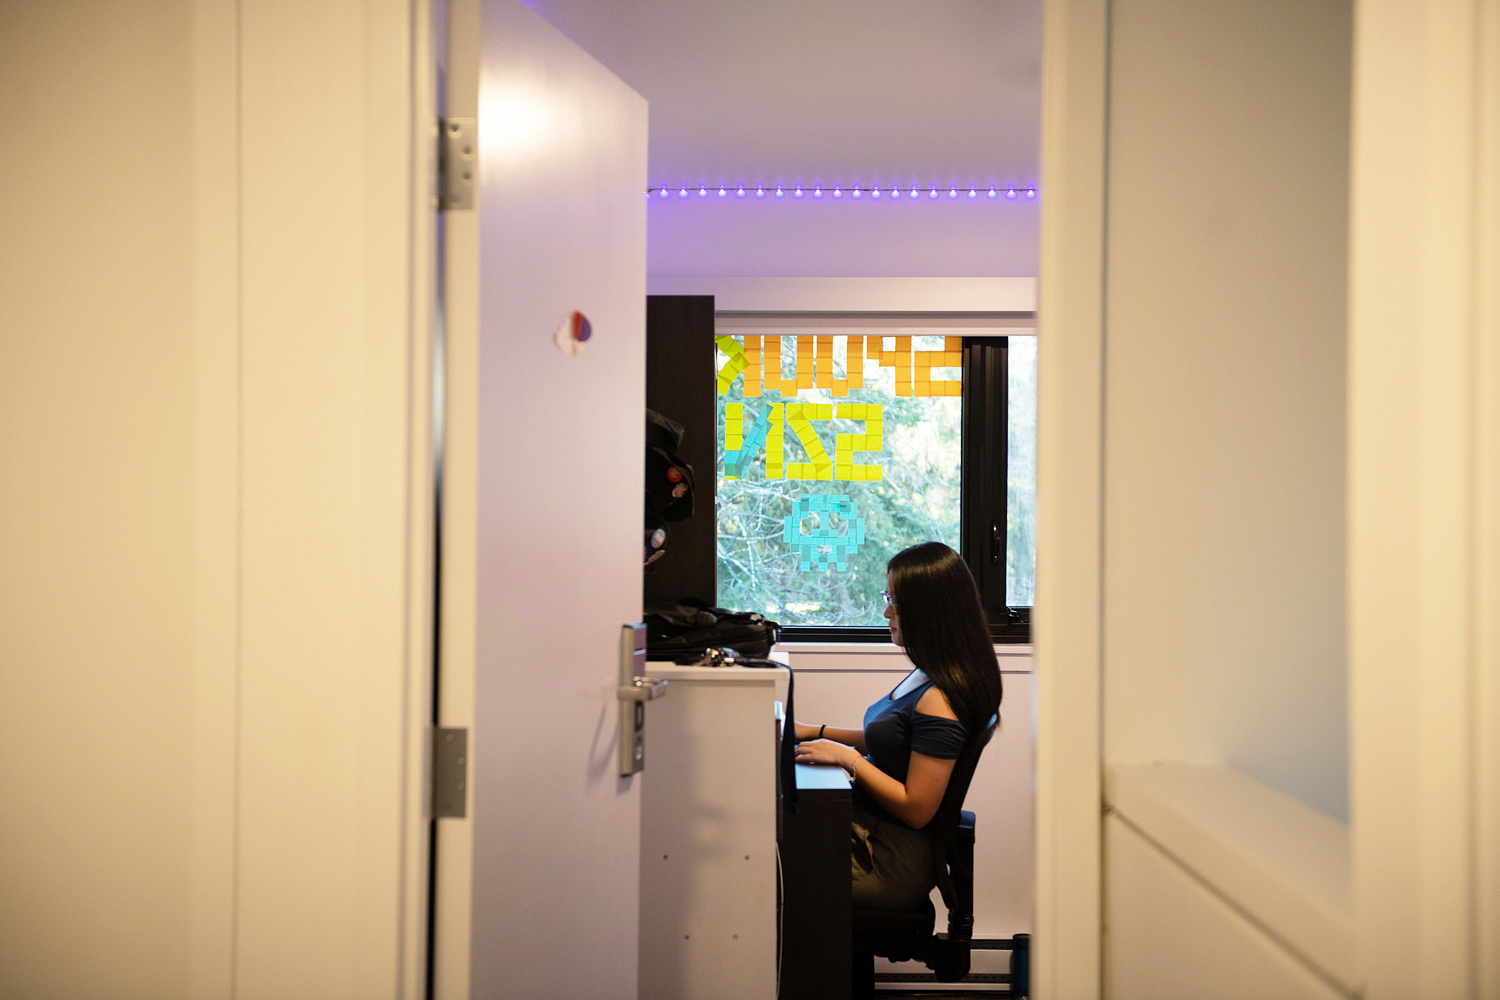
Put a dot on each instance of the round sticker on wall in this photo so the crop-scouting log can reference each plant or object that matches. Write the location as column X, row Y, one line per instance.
column 573, row 333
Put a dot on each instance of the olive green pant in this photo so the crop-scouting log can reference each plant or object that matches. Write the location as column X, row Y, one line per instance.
column 891, row 864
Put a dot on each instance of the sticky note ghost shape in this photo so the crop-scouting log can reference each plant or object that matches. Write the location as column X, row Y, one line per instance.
column 839, row 547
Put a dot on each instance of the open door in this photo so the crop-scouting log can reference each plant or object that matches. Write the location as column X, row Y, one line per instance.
column 536, row 889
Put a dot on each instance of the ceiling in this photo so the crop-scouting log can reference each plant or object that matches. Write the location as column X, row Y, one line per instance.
column 831, row 92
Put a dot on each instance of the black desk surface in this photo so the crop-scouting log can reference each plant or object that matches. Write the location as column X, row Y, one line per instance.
column 817, row 925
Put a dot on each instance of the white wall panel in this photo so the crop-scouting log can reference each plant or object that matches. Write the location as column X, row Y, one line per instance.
column 216, row 494
column 329, row 419
column 1487, row 520
column 97, row 550
column 1168, row 937
column 1423, row 408
column 209, row 628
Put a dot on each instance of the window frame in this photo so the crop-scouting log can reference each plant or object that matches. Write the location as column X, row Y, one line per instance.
column 984, row 489
column 983, row 485
column 984, row 495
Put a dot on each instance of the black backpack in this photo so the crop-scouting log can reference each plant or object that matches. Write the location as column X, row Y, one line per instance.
column 669, row 483
column 683, row 632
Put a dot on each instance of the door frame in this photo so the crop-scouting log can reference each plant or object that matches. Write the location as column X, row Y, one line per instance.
column 1068, row 620
column 455, row 47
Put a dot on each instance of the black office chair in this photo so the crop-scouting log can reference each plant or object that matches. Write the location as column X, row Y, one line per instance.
column 904, row 936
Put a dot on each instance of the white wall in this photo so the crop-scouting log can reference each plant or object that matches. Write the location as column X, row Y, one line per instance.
column 843, row 295
column 96, row 547
column 210, row 642
column 1224, row 396
column 830, row 93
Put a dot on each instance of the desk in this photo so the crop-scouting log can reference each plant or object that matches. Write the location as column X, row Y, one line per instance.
column 708, row 835
column 817, row 912
column 709, row 816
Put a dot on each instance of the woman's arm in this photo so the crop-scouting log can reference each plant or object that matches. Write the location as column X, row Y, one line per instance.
column 849, row 737
column 916, row 801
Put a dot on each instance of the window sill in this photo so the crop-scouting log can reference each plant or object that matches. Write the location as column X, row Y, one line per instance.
column 1014, row 657
column 1017, row 633
column 862, row 648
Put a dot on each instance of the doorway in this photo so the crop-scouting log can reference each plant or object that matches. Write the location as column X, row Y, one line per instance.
column 871, row 160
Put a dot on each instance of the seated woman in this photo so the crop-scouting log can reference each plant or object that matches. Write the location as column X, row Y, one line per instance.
column 901, row 759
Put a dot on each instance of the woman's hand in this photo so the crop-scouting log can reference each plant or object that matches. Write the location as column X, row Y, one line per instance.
column 827, row 752
column 803, row 731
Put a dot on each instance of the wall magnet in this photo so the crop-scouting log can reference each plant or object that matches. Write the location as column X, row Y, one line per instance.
column 572, row 333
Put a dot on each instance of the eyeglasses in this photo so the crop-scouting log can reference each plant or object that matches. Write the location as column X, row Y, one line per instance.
column 889, row 601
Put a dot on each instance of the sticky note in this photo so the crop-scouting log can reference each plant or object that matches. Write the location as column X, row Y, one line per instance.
column 734, row 366
column 845, row 445
column 775, row 466
column 924, row 361
column 773, row 379
column 752, row 367
column 805, row 365
column 854, row 367
column 899, row 358
column 737, row 460
column 824, row 354
column 799, row 417
column 809, row 546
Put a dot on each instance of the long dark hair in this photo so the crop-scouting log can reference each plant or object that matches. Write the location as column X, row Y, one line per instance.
column 944, row 630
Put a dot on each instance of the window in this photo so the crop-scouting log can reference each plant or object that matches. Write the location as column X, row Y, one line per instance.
column 838, row 448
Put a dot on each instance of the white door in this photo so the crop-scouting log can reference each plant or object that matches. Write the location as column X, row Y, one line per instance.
column 537, row 890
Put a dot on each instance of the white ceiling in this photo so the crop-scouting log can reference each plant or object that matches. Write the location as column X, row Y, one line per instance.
column 932, row 92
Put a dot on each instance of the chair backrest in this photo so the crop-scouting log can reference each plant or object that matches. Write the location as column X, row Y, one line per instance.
column 945, row 825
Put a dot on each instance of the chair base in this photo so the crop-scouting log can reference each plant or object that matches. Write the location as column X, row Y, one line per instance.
column 1016, row 983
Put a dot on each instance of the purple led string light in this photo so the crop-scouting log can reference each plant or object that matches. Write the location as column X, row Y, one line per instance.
column 1011, row 192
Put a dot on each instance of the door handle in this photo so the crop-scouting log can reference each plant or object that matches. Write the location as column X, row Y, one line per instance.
column 643, row 689
column 634, row 691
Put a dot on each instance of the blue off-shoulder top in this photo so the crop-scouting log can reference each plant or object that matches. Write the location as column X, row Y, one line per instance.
column 894, row 730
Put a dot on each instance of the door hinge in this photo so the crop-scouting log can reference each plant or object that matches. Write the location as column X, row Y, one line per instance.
column 450, row 773
column 458, row 161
